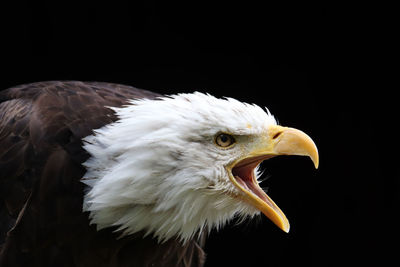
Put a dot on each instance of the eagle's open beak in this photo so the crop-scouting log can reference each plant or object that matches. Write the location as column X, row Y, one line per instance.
column 279, row 141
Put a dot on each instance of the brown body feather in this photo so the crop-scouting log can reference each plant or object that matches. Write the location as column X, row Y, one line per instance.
column 41, row 218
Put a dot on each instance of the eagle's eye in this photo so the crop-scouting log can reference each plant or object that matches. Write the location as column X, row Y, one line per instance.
column 224, row 140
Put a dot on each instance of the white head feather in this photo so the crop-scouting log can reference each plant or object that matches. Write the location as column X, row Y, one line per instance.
column 157, row 168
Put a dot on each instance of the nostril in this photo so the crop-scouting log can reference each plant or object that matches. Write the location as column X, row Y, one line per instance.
column 276, row 135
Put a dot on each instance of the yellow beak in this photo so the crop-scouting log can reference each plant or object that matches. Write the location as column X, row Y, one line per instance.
column 279, row 141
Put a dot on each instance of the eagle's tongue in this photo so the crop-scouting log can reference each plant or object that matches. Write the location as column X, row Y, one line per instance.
column 254, row 188
column 244, row 174
column 242, row 183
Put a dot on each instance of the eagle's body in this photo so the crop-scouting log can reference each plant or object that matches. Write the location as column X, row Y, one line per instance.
column 41, row 156
column 99, row 174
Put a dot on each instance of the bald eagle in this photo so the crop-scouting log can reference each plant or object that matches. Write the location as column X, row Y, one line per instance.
column 101, row 174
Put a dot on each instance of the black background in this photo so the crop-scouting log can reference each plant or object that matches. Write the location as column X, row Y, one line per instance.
column 320, row 68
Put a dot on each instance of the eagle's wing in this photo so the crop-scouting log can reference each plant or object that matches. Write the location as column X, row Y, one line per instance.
column 41, row 219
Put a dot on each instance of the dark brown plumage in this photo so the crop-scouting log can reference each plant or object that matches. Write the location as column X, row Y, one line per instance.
column 41, row 219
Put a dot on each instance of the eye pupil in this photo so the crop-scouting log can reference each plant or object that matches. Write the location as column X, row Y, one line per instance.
column 224, row 140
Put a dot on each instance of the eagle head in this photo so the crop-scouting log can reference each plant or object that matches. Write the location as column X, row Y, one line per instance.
column 176, row 166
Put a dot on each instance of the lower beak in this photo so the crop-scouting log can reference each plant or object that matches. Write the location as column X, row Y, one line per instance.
column 279, row 141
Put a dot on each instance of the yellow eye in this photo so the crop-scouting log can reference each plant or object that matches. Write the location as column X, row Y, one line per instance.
column 224, row 140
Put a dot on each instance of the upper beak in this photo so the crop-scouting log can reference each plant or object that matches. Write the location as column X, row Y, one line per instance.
column 279, row 141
